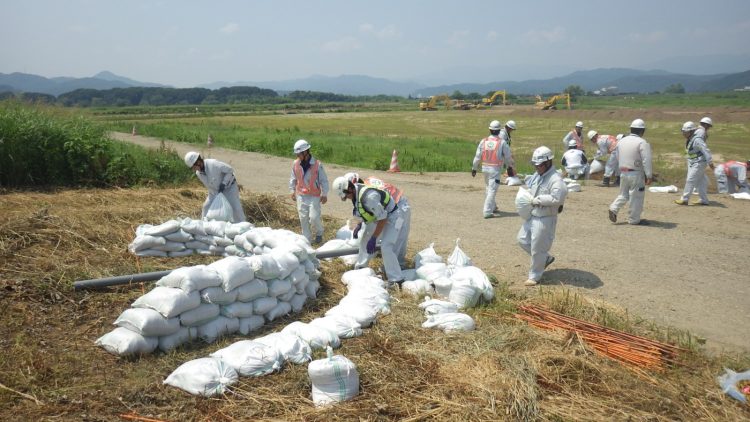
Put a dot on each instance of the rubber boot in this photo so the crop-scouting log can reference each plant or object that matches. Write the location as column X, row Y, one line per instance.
column 617, row 181
column 604, row 183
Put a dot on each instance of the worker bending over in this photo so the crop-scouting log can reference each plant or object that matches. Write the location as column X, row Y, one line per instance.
column 731, row 177
column 217, row 177
column 607, row 145
column 575, row 162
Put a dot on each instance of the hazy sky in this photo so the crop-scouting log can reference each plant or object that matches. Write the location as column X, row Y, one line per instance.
column 186, row 43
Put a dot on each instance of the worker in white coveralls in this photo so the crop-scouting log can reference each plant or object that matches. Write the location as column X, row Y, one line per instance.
column 704, row 125
column 218, row 177
column 538, row 232
column 606, row 145
column 575, row 162
column 698, row 157
column 308, row 185
column 634, row 156
column 576, row 134
column 731, row 177
column 492, row 152
column 391, row 218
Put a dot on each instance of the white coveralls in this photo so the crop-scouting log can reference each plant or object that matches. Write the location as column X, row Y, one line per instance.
column 607, row 144
column 731, row 177
column 538, row 232
column 573, row 135
column 698, row 158
column 216, row 173
column 395, row 235
column 492, row 165
column 634, row 155
column 308, row 205
column 575, row 163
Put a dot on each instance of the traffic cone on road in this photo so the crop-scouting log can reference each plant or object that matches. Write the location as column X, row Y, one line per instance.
column 394, row 163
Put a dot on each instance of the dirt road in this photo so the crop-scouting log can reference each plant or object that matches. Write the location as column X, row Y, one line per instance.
column 688, row 269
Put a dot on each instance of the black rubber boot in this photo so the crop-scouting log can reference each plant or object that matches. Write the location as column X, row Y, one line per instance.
column 617, row 181
column 604, row 183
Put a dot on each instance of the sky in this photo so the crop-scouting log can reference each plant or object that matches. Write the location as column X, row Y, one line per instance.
column 187, row 43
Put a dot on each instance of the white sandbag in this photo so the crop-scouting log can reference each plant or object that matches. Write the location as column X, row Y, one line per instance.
column 216, row 250
column 237, row 310
column 233, row 325
column 194, row 227
column 596, row 167
column 179, row 236
column 523, row 203
column 740, row 195
column 298, row 302
column 173, row 341
column 416, row 288
column 223, row 241
column 234, row 271
column 202, row 314
column 409, row 274
column 332, row 245
column 292, row 348
column 218, row 295
column 278, row 287
column 663, row 189
column 363, row 298
column 286, row 297
column 464, row 294
column 431, row 271
column 142, row 229
column 250, row 358
column 241, row 242
column 458, row 258
column 286, row 261
column 151, row 252
column 334, row 379
column 298, row 275
column 207, row 239
column 449, row 322
column 252, row 290
column 366, row 282
column 233, row 250
column 264, row 266
column 317, row 337
column 234, row 229
column 168, row 301
column 262, row 305
column 362, row 314
column 147, row 322
column 220, row 209
column 278, row 311
column 427, row 256
column 342, row 325
column 216, row 328
column 144, row 242
column 345, row 232
column 513, row 181
column 442, row 286
column 124, row 342
column 169, row 246
column 311, row 290
column 574, row 187
column 257, row 235
column 178, row 254
column 478, row 279
column 163, row 229
column 206, row 377
column 250, row 324
column 196, row 245
column 188, row 279
column 354, row 274
column 436, row 306
column 295, row 248
column 214, row 229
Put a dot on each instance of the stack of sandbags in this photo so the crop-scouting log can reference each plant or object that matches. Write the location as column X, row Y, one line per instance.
column 186, row 237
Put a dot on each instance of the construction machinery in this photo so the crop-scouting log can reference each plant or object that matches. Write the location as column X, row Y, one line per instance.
column 551, row 102
column 432, row 102
column 462, row 105
column 488, row 102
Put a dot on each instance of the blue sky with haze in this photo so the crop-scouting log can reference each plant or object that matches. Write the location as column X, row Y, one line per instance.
column 187, row 43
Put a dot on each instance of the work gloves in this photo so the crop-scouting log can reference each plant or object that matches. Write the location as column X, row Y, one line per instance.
column 221, row 188
column 511, row 172
column 356, row 230
column 371, row 245
column 536, row 202
column 473, row 173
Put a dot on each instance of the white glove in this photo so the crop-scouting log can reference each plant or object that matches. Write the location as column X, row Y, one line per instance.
column 536, row 201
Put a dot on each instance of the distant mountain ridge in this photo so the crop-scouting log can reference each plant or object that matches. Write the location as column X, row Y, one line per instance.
column 25, row 82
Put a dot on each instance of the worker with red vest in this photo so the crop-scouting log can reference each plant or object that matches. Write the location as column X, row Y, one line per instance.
column 576, row 134
column 492, row 152
column 606, row 145
column 731, row 177
column 309, row 188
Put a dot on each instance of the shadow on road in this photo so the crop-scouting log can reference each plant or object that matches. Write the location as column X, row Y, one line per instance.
column 570, row 277
column 650, row 223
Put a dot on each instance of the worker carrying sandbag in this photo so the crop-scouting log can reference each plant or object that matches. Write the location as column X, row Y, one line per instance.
column 217, row 177
column 391, row 215
column 606, row 145
column 493, row 152
column 308, row 185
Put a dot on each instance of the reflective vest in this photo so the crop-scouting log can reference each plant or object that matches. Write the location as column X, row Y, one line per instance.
column 611, row 142
column 727, row 167
column 689, row 151
column 490, row 151
column 385, row 199
column 579, row 142
column 311, row 188
column 380, row 184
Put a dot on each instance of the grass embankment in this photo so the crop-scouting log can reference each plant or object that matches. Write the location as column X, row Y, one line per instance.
column 504, row 370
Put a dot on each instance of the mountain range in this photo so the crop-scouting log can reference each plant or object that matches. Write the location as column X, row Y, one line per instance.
column 626, row 80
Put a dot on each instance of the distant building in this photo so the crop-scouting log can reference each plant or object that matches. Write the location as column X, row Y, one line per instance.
column 610, row 90
column 746, row 88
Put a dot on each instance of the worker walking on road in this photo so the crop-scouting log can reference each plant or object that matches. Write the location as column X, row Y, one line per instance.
column 308, row 185
column 575, row 162
column 731, row 177
column 575, row 134
column 217, row 177
column 606, row 145
column 391, row 216
column 538, row 232
column 634, row 155
column 698, row 157
column 493, row 152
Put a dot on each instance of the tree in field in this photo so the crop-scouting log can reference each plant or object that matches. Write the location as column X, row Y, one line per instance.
column 574, row 91
column 675, row 89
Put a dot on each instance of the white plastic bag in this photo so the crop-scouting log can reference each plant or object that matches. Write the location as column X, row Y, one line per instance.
column 334, row 379
column 427, row 256
column 728, row 382
column 450, row 322
column 250, row 358
column 513, row 181
column 596, row 167
column 458, row 258
column 220, row 209
column 435, row 306
column 523, row 203
column 205, row 377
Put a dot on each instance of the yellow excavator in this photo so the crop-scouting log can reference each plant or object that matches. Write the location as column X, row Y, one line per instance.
column 432, row 102
column 551, row 102
column 488, row 102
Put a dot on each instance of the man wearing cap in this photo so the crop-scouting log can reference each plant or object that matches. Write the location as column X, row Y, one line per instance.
column 634, row 156
column 308, row 185
column 575, row 134
column 698, row 157
column 606, row 145
column 493, row 152
column 217, row 177
column 731, row 177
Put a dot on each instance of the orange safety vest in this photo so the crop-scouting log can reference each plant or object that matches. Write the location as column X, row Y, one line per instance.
column 380, row 184
column 728, row 164
column 612, row 143
column 490, row 151
column 312, row 188
column 579, row 142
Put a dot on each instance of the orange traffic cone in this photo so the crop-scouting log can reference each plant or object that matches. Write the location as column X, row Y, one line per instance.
column 394, row 163
column 133, row 132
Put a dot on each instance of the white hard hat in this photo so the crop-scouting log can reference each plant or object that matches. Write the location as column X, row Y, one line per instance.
column 688, row 126
column 511, row 124
column 638, row 124
column 495, row 125
column 708, row 121
column 191, row 157
column 591, row 134
column 619, row 136
column 579, row 124
column 572, row 143
column 352, row 177
column 340, row 186
column 301, row 146
column 541, row 155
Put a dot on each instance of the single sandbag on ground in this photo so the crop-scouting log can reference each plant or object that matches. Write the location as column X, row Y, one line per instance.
column 450, row 322
column 291, row 347
column 205, row 377
column 334, row 379
column 250, row 358
column 123, row 342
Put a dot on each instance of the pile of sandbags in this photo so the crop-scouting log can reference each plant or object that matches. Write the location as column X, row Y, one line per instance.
column 234, row 294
